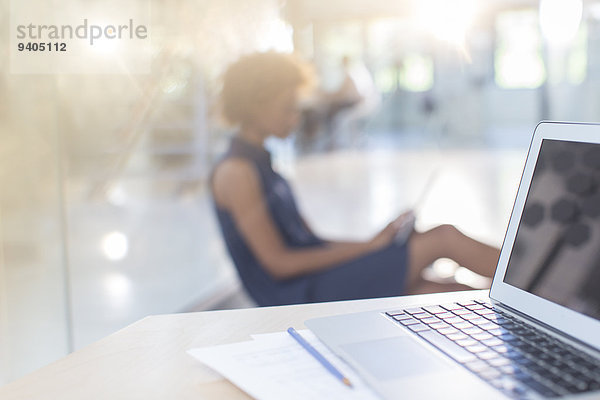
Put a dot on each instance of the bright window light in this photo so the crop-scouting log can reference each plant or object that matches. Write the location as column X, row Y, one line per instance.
column 560, row 20
column 418, row 73
column 577, row 62
column 386, row 79
column 448, row 21
column 518, row 61
column 117, row 285
column 117, row 196
column 276, row 35
column 115, row 246
column 118, row 289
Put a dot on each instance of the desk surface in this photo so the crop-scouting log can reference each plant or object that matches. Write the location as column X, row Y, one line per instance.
column 148, row 360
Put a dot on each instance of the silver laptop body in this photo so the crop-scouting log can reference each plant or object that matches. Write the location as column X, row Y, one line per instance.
column 547, row 283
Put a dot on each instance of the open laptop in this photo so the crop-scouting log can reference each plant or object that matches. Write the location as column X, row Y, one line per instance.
column 538, row 333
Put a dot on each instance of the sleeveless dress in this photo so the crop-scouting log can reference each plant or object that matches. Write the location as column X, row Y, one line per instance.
column 376, row 274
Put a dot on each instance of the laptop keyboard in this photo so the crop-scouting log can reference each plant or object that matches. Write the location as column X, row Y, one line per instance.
column 513, row 356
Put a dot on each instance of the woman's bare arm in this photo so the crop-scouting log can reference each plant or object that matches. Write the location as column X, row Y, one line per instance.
column 236, row 189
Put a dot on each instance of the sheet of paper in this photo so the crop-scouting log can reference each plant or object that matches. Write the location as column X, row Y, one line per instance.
column 275, row 366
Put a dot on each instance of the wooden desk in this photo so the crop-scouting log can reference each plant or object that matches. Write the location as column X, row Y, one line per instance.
column 148, row 360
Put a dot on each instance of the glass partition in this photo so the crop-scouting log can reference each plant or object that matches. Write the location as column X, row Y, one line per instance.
column 105, row 215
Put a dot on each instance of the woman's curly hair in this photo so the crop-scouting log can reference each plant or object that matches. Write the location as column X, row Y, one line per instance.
column 257, row 77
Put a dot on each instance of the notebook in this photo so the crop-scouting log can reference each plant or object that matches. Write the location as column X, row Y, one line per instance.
column 538, row 333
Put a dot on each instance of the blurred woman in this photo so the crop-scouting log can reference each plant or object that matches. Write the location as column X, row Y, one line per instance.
column 280, row 260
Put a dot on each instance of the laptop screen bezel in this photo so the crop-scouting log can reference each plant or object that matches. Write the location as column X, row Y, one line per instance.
column 575, row 324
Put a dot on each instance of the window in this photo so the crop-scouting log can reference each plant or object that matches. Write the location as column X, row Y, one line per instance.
column 577, row 59
column 518, row 61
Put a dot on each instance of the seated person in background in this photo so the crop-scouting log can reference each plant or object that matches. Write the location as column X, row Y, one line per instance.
column 347, row 95
column 343, row 110
column 278, row 257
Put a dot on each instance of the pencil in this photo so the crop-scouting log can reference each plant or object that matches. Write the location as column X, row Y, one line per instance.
column 313, row 352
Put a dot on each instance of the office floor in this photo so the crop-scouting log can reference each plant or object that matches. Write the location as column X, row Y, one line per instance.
column 348, row 193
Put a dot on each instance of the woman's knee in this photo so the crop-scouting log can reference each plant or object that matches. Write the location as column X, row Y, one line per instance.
column 426, row 247
column 447, row 233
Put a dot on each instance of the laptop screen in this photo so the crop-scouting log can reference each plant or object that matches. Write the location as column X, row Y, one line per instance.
column 556, row 254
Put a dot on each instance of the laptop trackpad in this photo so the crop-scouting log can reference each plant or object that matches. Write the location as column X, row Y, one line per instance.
column 393, row 357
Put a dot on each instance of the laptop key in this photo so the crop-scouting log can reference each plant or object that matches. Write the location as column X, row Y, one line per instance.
column 511, row 326
column 545, row 357
column 463, row 311
column 447, row 346
column 470, row 316
column 521, row 361
column 509, row 386
column 462, row 325
column 395, row 312
column 488, row 355
column 538, row 369
column 454, row 320
column 409, row 321
column 575, row 385
column 518, row 344
column 496, row 318
column 490, row 374
column 415, row 310
column 512, row 354
column 466, row 342
column 448, row 330
column 475, row 307
column 419, row 328
column 509, row 369
column 421, row 315
column 506, row 337
column 479, row 321
column 489, row 326
column 591, row 366
column 502, row 349
column 499, row 362
column 452, row 306
column 540, row 388
column 594, row 375
column 401, row 317
column 434, row 309
column 492, row 342
column 456, row 336
column 482, row 336
column 477, row 366
column 477, row 348
column 484, row 311
column 472, row 331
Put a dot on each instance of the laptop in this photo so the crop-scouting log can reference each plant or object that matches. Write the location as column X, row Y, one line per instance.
column 538, row 333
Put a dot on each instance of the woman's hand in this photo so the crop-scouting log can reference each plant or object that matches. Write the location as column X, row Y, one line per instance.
column 404, row 222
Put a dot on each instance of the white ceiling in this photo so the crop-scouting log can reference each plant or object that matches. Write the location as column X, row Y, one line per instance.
column 303, row 11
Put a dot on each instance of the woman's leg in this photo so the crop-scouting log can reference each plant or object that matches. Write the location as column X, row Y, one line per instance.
column 445, row 241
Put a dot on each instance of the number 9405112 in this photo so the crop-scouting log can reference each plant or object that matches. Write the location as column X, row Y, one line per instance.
column 34, row 46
